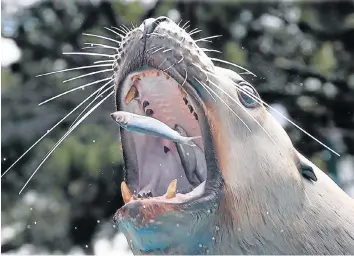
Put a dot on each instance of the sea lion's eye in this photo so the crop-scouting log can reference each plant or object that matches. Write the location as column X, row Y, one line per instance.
column 247, row 95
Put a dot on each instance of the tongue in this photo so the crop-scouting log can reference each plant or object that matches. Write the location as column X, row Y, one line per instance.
column 192, row 159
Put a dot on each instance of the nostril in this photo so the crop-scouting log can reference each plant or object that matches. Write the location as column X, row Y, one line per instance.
column 151, row 24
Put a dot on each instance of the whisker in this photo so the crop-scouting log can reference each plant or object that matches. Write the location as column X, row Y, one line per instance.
column 187, row 27
column 185, row 79
column 205, row 38
column 193, row 30
column 157, row 50
column 152, row 48
column 120, row 30
column 207, row 88
column 162, row 63
column 103, row 46
column 99, row 93
column 103, row 37
column 167, row 50
column 225, row 104
column 51, row 129
column 169, row 67
column 210, row 50
column 124, row 26
column 77, row 68
column 180, row 59
column 103, row 61
column 248, row 113
column 179, row 23
column 74, row 89
column 260, row 101
column 88, row 74
column 114, row 32
column 89, row 53
column 63, row 138
column 185, row 24
column 233, row 64
column 133, row 25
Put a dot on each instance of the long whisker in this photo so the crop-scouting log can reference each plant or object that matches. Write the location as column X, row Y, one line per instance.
column 103, row 46
column 206, row 86
column 103, row 61
column 102, row 37
column 88, row 74
column 157, row 50
column 77, row 68
column 74, row 89
column 115, row 32
column 194, row 31
column 260, row 101
column 89, row 53
column 185, row 24
column 205, row 38
column 233, row 64
column 209, row 50
column 248, row 113
column 64, row 137
column 120, row 30
column 99, row 93
column 124, row 26
column 51, row 129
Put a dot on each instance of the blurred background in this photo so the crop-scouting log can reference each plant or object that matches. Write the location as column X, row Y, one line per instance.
column 302, row 53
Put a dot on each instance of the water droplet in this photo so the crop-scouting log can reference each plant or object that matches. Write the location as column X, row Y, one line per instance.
column 91, row 45
column 217, row 228
column 187, row 153
column 130, row 241
column 31, row 209
column 267, row 213
column 200, row 245
column 98, row 221
column 181, row 176
column 4, row 158
column 281, row 231
column 160, row 164
column 83, row 88
column 75, row 227
column 213, row 238
column 86, row 246
column 144, row 206
column 177, row 225
column 208, row 211
column 28, row 226
column 239, row 229
column 93, row 141
column 35, row 223
column 114, row 226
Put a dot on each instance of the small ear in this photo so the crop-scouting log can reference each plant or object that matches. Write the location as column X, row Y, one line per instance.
column 307, row 172
column 304, row 167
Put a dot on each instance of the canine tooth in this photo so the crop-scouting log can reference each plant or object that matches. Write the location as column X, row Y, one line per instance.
column 190, row 108
column 126, row 194
column 149, row 112
column 171, row 190
column 165, row 149
column 132, row 94
column 145, row 104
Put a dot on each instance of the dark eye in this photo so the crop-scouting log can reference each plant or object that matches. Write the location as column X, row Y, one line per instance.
column 248, row 96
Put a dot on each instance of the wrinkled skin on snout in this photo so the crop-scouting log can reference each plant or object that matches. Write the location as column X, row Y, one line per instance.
column 255, row 200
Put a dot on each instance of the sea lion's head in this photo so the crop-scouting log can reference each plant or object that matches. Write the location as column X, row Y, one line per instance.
column 242, row 170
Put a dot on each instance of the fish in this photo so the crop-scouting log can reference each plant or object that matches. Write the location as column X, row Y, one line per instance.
column 149, row 125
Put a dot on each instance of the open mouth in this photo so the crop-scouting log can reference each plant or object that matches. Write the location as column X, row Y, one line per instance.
column 158, row 169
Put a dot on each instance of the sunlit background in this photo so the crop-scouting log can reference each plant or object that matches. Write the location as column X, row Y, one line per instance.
column 301, row 52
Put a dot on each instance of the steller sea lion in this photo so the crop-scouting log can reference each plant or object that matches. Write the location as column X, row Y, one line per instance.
column 244, row 189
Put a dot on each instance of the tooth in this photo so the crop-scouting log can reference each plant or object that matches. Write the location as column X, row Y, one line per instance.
column 171, row 190
column 126, row 194
column 132, row 94
column 149, row 112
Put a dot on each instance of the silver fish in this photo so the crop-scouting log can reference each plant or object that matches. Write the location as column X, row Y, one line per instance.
column 149, row 125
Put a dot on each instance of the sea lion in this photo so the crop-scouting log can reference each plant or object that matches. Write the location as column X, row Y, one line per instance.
column 244, row 189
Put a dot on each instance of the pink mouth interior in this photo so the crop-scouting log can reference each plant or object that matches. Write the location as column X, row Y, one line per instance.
column 158, row 160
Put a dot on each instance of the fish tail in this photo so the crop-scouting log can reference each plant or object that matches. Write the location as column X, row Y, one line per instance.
column 190, row 141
